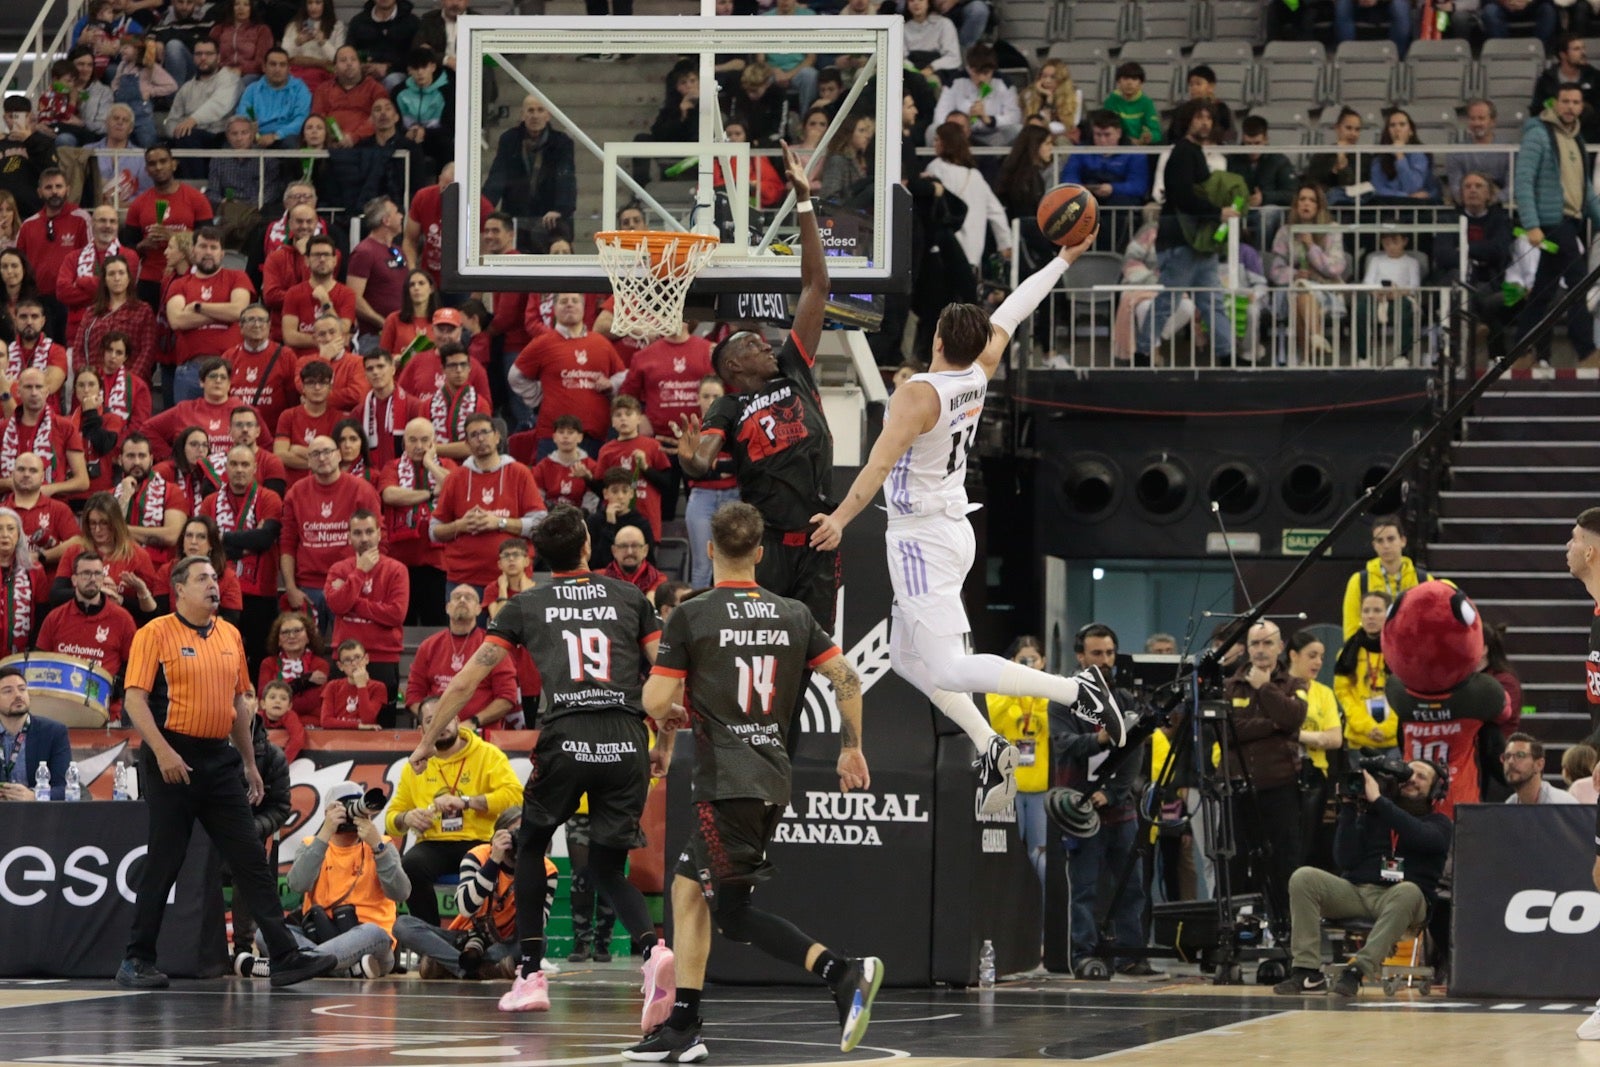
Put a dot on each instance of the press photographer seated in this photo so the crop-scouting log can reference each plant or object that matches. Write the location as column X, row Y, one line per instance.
column 1391, row 842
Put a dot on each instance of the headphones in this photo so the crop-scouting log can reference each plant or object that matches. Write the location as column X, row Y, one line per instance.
column 1441, row 780
column 1084, row 632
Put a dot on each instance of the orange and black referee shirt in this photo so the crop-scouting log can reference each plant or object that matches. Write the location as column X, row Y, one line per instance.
column 191, row 673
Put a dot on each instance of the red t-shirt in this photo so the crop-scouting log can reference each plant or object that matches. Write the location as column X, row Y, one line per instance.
column 665, row 376
column 103, row 638
column 187, row 209
column 305, row 307
column 557, row 482
column 64, row 437
column 316, row 524
column 344, row 707
column 44, row 251
column 568, row 368
column 509, row 492
column 214, row 338
column 616, row 453
column 270, row 392
column 298, row 426
column 46, row 524
column 369, row 607
column 427, row 211
column 307, row 700
column 212, row 418
column 258, row 571
column 407, row 527
column 441, row 657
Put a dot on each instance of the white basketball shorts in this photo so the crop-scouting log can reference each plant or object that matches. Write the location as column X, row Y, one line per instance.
column 929, row 558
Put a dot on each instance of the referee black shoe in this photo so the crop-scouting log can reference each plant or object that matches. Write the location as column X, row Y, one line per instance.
column 140, row 974
column 300, row 965
column 667, row 1045
column 1097, row 704
column 854, row 995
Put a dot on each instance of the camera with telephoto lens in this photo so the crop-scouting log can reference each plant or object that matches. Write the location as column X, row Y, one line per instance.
column 1389, row 773
column 365, row 806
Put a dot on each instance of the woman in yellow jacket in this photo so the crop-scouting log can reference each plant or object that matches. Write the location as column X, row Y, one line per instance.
column 1025, row 722
column 1370, row 726
column 1322, row 732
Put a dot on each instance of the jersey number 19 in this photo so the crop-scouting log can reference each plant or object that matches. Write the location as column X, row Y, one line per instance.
column 588, row 654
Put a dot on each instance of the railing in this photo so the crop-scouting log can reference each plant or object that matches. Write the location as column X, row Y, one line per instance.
column 36, row 51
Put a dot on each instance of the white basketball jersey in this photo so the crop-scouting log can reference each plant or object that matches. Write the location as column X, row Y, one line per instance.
column 931, row 477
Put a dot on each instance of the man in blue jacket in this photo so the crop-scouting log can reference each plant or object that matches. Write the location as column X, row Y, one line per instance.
column 1554, row 198
column 26, row 742
column 279, row 103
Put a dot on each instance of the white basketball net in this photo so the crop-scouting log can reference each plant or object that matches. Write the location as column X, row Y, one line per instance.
column 650, row 285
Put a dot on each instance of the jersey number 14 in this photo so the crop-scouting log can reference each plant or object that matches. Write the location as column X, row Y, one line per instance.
column 757, row 676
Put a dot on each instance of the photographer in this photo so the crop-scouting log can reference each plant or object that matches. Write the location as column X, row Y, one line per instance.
column 1391, row 843
column 352, row 879
column 1267, row 716
column 481, row 940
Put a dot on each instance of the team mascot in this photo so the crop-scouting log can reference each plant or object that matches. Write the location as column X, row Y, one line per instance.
column 1433, row 646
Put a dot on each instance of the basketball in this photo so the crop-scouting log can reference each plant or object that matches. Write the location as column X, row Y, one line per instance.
column 1068, row 214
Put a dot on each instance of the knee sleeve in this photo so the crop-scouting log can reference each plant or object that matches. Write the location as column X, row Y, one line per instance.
column 732, row 913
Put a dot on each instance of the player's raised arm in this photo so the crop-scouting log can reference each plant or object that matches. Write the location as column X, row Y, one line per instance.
column 1020, row 305
column 813, row 300
column 455, row 697
column 913, row 409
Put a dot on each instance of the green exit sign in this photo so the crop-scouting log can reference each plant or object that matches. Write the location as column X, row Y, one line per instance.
column 1301, row 542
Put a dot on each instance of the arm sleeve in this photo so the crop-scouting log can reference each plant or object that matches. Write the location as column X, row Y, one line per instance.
column 1017, row 307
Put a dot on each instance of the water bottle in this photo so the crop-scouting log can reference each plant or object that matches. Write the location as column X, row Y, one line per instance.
column 74, row 789
column 986, row 966
column 119, row 781
column 41, row 783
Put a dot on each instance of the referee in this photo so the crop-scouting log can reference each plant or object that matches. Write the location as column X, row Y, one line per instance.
column 188, row 691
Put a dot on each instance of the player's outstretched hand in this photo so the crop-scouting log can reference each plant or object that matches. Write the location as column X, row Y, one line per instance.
column 828, row 533
column 687, row 434
column 796, row 172
column 852, row 768
column 421, row 755
column 1070, row 253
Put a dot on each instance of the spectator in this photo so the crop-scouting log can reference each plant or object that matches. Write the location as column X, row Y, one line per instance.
column 286, row 267
column 760, row 105
column 242, row 40
column 106, row 533
column 448, row 815
column 415, row 315
column 1490, row 241
column 297, row 657
column 383, row 33
column 27, row 588
column 349, row 862
column 567, row 473
column 126, row 396
column 10, row 221
column 988, row 102
column 441, row 656
column 1577, row 767
column 355, row 455
column 279, row 103
column 346, row 99
column 47, row 523
column 1116, row 179
column 1571, row 67
column 1029, row 169
column 122, row 174
column 58, row 105
column 312, row 41
column 244, row 430
column 846, row 174
column 1025, row 723
column 94, row 102
column 240, row 181
column 425, row 104
column 1336, row 172
column 313, row 297
column 1270, row 177
column 167, row 208
column 424, row 240
column 533, row 177
column 191, row 469
column 78, row 277
column 180, row 31
column 378, row 267
column 333, row 348
column 58, row 229
column 795, row 71
column 33, row 349
column 32, row 428
column 316, row 527
column 1403, row 176
column 679, row 116
column 150, row 507
column 16, row 274
column 101, row 431
column 93, row 625
column 1494, row 15
column 203, row 309
column 1376, row 836
column 1141, row 123
column 616, row 511
column 1524, row 763
column 100, row 28
column 295, row 194
column 1055, row 99
column 369, row 595
column 1322, row 732
column 1553, row 200
column 277, row 713
column 1495, row 166
column 248, row 516
column 1303, row 264
column 409, row 488
column 1498, row 664
column 931, row 43
column 270, row 814
column 954, row 167
column 1398, row 11
column 644, row 456
column 456, row 401
column 1202, row 83
column 51, row 747
column 767, row 186
column 386, row 409
column 138, row 81
column 1390, row 571
column 200, row 538
column 630, row 561
column 572, row 370
column 1384, row 315
column 490, row 497
column 437, row 30
column 313, row 417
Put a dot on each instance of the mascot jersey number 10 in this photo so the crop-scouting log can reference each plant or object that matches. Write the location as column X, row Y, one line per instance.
column 1433, row 645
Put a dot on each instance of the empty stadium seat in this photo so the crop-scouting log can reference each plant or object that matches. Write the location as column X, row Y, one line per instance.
column 1508, row 77
column 1096, row 20
column 1438, row 70
column 1366, row 73
column 1164, row 20
column 1025, row 24
column 1079, row 51
column 1235, row 19
column 1294, row 72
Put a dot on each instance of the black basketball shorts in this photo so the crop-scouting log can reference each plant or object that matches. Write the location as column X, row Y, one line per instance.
column 605, row 754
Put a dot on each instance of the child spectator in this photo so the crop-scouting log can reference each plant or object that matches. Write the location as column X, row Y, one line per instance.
column 1395, row 277
column 989, row 103
column 139, row 79
column 353, row 701
column 424, row 105
column 616, row 511
column 277, row 709
column 566, row 474
column 58, row 105
column 644, row 456
column 312, row 40
column 1140, row 120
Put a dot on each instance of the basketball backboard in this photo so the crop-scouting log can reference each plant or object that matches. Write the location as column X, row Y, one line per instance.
column 603, row 103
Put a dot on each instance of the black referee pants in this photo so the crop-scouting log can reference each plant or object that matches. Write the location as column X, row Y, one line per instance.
column 215, row 796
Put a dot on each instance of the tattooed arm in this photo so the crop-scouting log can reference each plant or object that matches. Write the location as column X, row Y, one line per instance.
column 846, row 683
column 454, row 698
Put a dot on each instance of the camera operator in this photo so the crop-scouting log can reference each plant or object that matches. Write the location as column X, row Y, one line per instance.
column 1266, row 716
column 1391, row 843
column 1080, row 747
column 352, row 879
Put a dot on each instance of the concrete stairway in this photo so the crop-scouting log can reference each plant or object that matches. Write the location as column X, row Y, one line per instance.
column 1529, row 463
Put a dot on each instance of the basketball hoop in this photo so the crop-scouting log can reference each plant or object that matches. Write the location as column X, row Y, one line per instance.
column 650, row 272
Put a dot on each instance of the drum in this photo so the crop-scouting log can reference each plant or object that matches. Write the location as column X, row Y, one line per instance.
column 69, row 690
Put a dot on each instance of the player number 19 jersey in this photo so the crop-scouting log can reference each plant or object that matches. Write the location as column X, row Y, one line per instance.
column 930, row 478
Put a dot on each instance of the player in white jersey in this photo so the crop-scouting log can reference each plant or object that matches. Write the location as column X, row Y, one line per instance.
column 920, row 461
